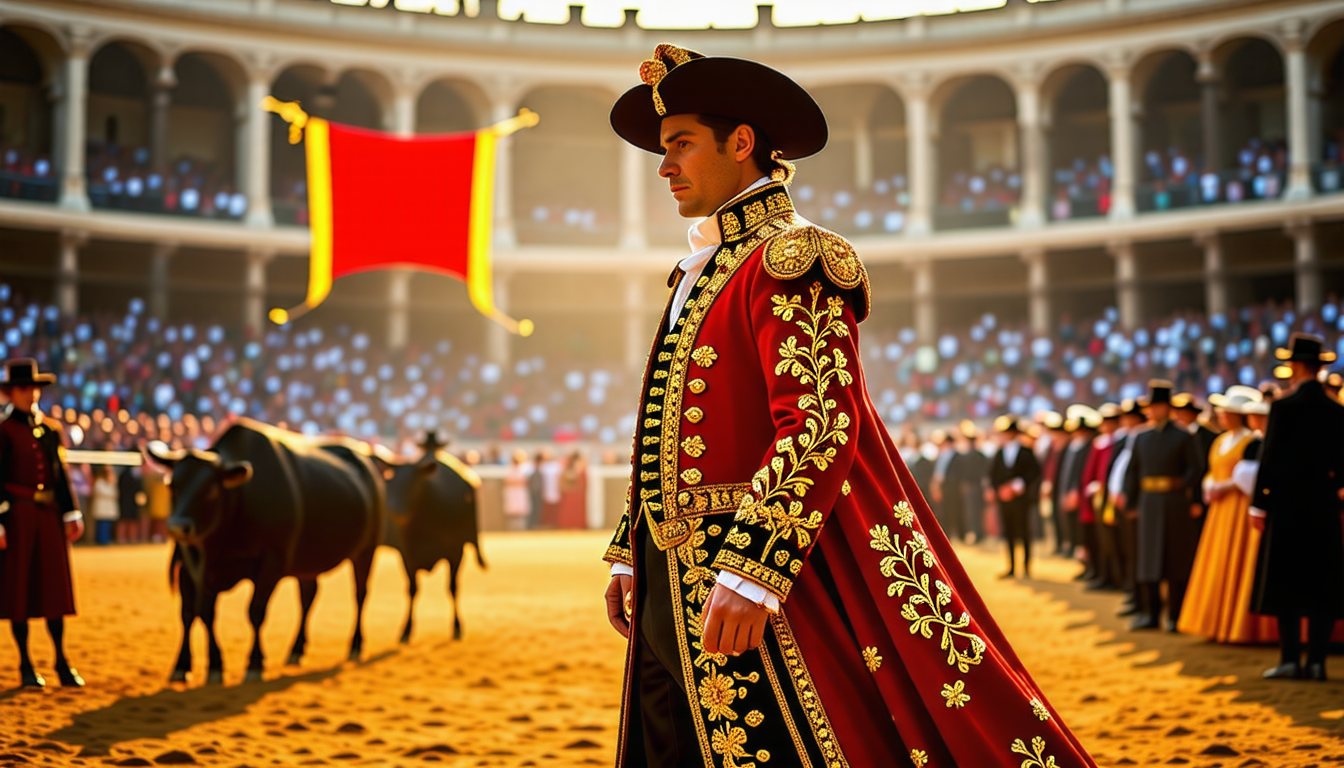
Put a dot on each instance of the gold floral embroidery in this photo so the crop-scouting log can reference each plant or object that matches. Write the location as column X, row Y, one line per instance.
column 697, row 386
column 729, row 224
column 694, row 446
column 781, row 558
column 919, row 757
column 692, row 476
column 717, row 694
column 903, row 563
column 704, row 356
column 1036, row 757
column 784, row 479
column 844, row 488
column 1038, row 709
column 694, row 414
column 754, row 718
column 871, row 660
column 956, row 694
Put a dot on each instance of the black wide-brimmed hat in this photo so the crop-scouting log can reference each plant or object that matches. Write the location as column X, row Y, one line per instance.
column 1007, row 424
column 1184, row 401
column 23, row 372
column 1159, row 393
column 678, row 81
column 1305, row 348
column 431, row 442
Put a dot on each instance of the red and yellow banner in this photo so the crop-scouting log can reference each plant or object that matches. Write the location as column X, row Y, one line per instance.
column 380, row 201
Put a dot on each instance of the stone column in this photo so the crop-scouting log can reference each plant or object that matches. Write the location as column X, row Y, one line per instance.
column 398, row 308
column 863, row 154
column 74, row 116
column 1039, row 310
column 160, row 258
column 1306, row 265
column 161, row 102
column 506, row 235
column 926, row 311
column 1299, row 114
column 254, row 291
column 1129, row 299
column 1032, row 162
column 1123, row 142
column 255, row 152
column 1209, row 79
column 633, row 208
column 920, row 158
column 1215, row 273
column 67, row 271
column 636, row 332
column 497, row 342
column 403, row 110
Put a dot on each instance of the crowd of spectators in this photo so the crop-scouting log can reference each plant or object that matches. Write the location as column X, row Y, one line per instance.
column 1082, row 189
column 990, row 190
column 878, row 210
column 127, row 377
column 122, row 178
column 1176, row 179
column 26, row 174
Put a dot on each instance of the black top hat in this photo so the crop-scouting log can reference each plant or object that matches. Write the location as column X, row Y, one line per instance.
column 1159, row 392
column 1130, row 407
column 431, row 442
column 23, row 372
column 678, row 81
column 1184, row 401
column 1007, row 424
column 1305, row 348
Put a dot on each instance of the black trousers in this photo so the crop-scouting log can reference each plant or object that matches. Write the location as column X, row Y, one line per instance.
column 662, row 732
column 1318, row 638
column 1016, row 530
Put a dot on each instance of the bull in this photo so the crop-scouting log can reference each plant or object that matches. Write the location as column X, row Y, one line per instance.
column 263, row 504
column 432, row 516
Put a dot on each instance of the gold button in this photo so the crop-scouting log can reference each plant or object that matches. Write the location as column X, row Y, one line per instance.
column 696, row 386
column 41, row 486
column 692, row 476
column 694, row 415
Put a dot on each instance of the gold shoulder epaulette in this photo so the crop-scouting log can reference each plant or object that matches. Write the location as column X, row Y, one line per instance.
column 791, row 253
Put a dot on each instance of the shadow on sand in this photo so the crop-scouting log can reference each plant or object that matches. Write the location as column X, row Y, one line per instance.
column 1227, row 667
column 173, row 709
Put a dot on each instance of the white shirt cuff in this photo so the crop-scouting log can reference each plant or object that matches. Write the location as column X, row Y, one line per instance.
column 621, row 569
column 1258, row 512
column 72, row 516
column 1243, row 476
column 748, row 589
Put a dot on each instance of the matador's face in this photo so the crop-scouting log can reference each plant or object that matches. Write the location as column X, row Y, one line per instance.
column 702, row 173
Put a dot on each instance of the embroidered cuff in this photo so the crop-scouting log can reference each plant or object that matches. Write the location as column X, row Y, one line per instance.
column 617, row 554
column 773, row 581
column 72, row 516
column 621, row 569
column 748, row 589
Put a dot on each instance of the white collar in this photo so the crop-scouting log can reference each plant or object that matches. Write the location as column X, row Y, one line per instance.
column 705, row 232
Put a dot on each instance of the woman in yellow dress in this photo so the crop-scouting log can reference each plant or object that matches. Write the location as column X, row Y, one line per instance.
column 1217, row 604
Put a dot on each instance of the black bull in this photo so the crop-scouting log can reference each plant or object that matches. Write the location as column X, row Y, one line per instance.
column 434, row 515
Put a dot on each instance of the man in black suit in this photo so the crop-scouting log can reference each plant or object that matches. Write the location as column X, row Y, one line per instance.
column 1300, row 569
column 1163, row 479
column 1013, row 471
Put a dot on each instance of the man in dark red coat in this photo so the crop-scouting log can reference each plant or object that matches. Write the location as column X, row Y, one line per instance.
column 788, row 595
column 38, row 519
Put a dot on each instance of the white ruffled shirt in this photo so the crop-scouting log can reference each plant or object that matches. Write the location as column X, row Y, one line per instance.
column 704, row 239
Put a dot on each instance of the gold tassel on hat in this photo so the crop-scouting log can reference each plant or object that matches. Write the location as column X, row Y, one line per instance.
column 666, row 57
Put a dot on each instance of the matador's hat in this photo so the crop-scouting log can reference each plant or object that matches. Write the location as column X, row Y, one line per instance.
column 679, row 81
column 23, row 372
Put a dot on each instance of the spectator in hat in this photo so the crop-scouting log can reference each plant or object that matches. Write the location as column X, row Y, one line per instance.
column 1218, row 601
column 1296, row 502
column 1094, row 498
column 1163, row 478
column 1012, row 473
column 1115, row 515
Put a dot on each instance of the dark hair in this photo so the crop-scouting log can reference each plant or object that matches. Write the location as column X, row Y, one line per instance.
column 764, row 155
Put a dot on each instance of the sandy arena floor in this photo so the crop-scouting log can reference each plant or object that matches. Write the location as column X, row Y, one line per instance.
column 537, row 677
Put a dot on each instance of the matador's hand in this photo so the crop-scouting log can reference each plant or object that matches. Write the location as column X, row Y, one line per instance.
column 74, row 530
column 618, row 607
column 733, row 624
